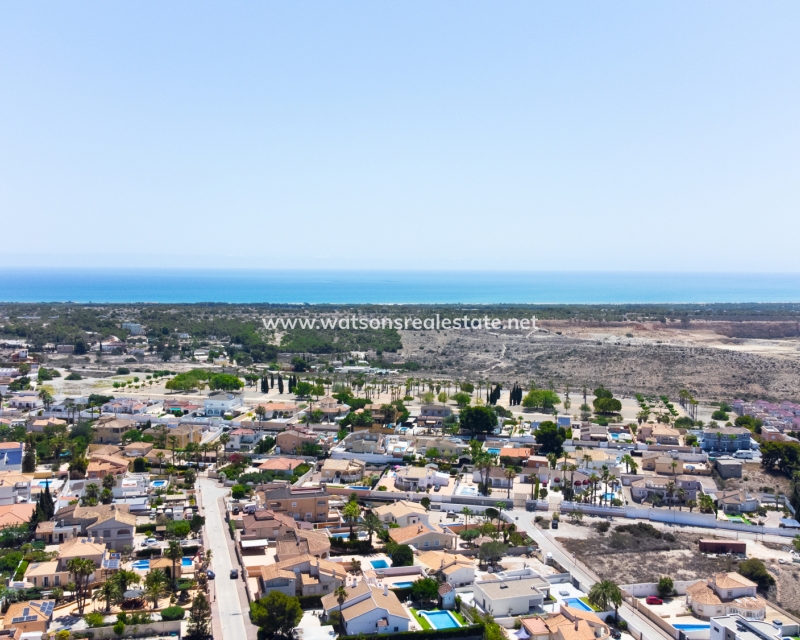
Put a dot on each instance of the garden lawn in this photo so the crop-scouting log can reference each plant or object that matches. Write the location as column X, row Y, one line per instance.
column 585, row 601
column 423, row 623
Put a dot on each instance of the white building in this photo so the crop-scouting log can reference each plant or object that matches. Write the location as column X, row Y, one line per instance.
column 369, row 610
column 219, row 403
column 512, row 593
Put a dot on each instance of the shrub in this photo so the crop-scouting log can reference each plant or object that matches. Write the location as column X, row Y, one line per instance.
column 145, row 528
column 74, row 376
column 173, row 613
column 665, row 586
column 94, row 619
column 310, row 602
column 603, row 526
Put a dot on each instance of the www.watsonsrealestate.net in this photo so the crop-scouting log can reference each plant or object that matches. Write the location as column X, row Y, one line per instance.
column 431, row 323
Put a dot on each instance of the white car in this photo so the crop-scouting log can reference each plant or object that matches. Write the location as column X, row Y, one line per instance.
column 151, row 542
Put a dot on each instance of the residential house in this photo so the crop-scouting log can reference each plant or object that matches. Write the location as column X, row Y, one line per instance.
column 424, row 535
column 310, row 505
column 299, row 542
column 293, row 439
column 282, row 466
column 402, row 513
column 38, row 425
column 456, row 570
column 342, row 471
column 303, row 575
column 658, row 433
column 661, row 486
column 220, row 403
column 100, row 466
column 511, row 594
column 181, row 407
column 109, row 429
column 594, row 433
column 413, row 478
column 11, row 456
column 14, row 488
column 25, row 401
column 369, row 610
column 497, row 478
column 116, row 524
column 115, row 527
column 568, row 624
column 725, row 439
column 331, row 407
column 242, row 440
column 266, row 525
column 185, row 433
column 726, row 594
column 138, row 449
column 447, row 447
column 738, row 628
column 279, row 410
column 14, row 515
column 661, row 463
column 432, row 416
column 130, row 406
column 736, row 501
column 29, row 617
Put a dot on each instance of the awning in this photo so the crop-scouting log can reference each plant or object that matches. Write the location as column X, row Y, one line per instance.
column 254, row 544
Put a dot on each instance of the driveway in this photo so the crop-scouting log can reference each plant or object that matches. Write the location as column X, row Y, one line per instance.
column 229, row 610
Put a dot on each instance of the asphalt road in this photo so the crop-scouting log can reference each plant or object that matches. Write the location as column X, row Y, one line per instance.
column 227, row 606
column 524, row 519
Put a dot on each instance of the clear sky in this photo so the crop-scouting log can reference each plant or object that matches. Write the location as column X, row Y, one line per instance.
column 432, row 135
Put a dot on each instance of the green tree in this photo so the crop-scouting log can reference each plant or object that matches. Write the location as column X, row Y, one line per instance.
column 491, row 552
column 156, row 586
column 478, row 420
column 276, row 614
column 550, row 437
column 200, row 618
column 81, row 569
column 225, row 382
column 174, row 552
column 665, row 586
column 372, row 524
column 351, row 514
column 541, row 399
column 755, row 570
column 425, row 590
column 461, row 399
column 402, row 556
column 426, row 503
column 604, row 595
column 29, row 457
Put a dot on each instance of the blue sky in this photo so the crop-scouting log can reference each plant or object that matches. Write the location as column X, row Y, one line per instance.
column 610, row 136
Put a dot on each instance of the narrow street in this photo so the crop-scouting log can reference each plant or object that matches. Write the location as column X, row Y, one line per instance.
column 229, row 606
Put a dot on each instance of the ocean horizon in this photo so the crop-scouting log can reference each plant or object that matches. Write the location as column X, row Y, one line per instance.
column 391, row 287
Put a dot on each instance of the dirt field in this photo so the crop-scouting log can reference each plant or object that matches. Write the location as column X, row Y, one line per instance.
column 627, row 559
column 756, row 478
column 627, row 358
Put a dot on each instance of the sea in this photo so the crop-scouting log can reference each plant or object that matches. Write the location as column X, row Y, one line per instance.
column 391, row 287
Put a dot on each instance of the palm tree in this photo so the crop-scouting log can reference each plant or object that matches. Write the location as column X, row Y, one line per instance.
column 372, row 524
column 604, row 594
column 691, row 504
column 224, row 439
column 681, row 498
column 175, row 553
column 173, row 444
column 81, row 569
column 110, row 592
column 670, row 492
column 351, row 513
column 467, row 513
column 160, row 456
column 627, row 459
column 484, row 465
column 156, row 586
column 341, row 595
column 510, row 474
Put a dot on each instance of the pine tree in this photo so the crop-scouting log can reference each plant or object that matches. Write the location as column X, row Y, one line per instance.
column 280, row 383
column 29, row 458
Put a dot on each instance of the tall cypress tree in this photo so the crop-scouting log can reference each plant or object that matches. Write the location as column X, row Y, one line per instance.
column 280, row 383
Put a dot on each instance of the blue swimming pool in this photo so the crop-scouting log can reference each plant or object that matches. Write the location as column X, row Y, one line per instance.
column 379, row 564
column 494, row 452
column 577, row 603
column 187, row 562
column 402, row 585
column 609, row 496
column 692, row 627
column 440, row 619
column 158, row 483
column 359, row 488
column 142, row 565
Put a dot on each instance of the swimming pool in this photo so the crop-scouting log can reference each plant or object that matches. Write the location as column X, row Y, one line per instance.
column 692, row 627
column 440, row 619
column 467, row 490
column 158, row 483
column 609, row 496
column 187, row 562
column 142, row 565
column 494, row 452
column 402, row 585
column 357, row 488
column 379, row 564
column 577, row 603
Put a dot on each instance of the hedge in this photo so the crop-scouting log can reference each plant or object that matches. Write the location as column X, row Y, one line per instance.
column 310, row 602
column 359, row 547
column 146, row 528
column 173, row 613
column 190, row 551
column 473, row 632
column 148, row 553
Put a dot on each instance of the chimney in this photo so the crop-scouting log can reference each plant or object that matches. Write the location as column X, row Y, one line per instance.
column 385, row 589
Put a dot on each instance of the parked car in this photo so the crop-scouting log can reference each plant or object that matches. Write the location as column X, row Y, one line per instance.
column 150, row 542
column 654, row 600
column 615, row 633
column 234, row 574
column 210, row 574
column 554, row 524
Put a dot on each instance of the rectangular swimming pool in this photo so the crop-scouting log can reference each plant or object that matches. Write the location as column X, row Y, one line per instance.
column 692, row 627
column 440, row 619
column 577, row 603
column 494, row 452
column 402, row 585
column 379, row 564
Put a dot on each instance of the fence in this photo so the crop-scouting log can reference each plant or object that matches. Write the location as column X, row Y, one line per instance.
column 150, row 630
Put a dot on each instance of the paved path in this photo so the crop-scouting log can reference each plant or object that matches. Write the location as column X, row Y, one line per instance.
column 585, row 576
column 228, row 611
